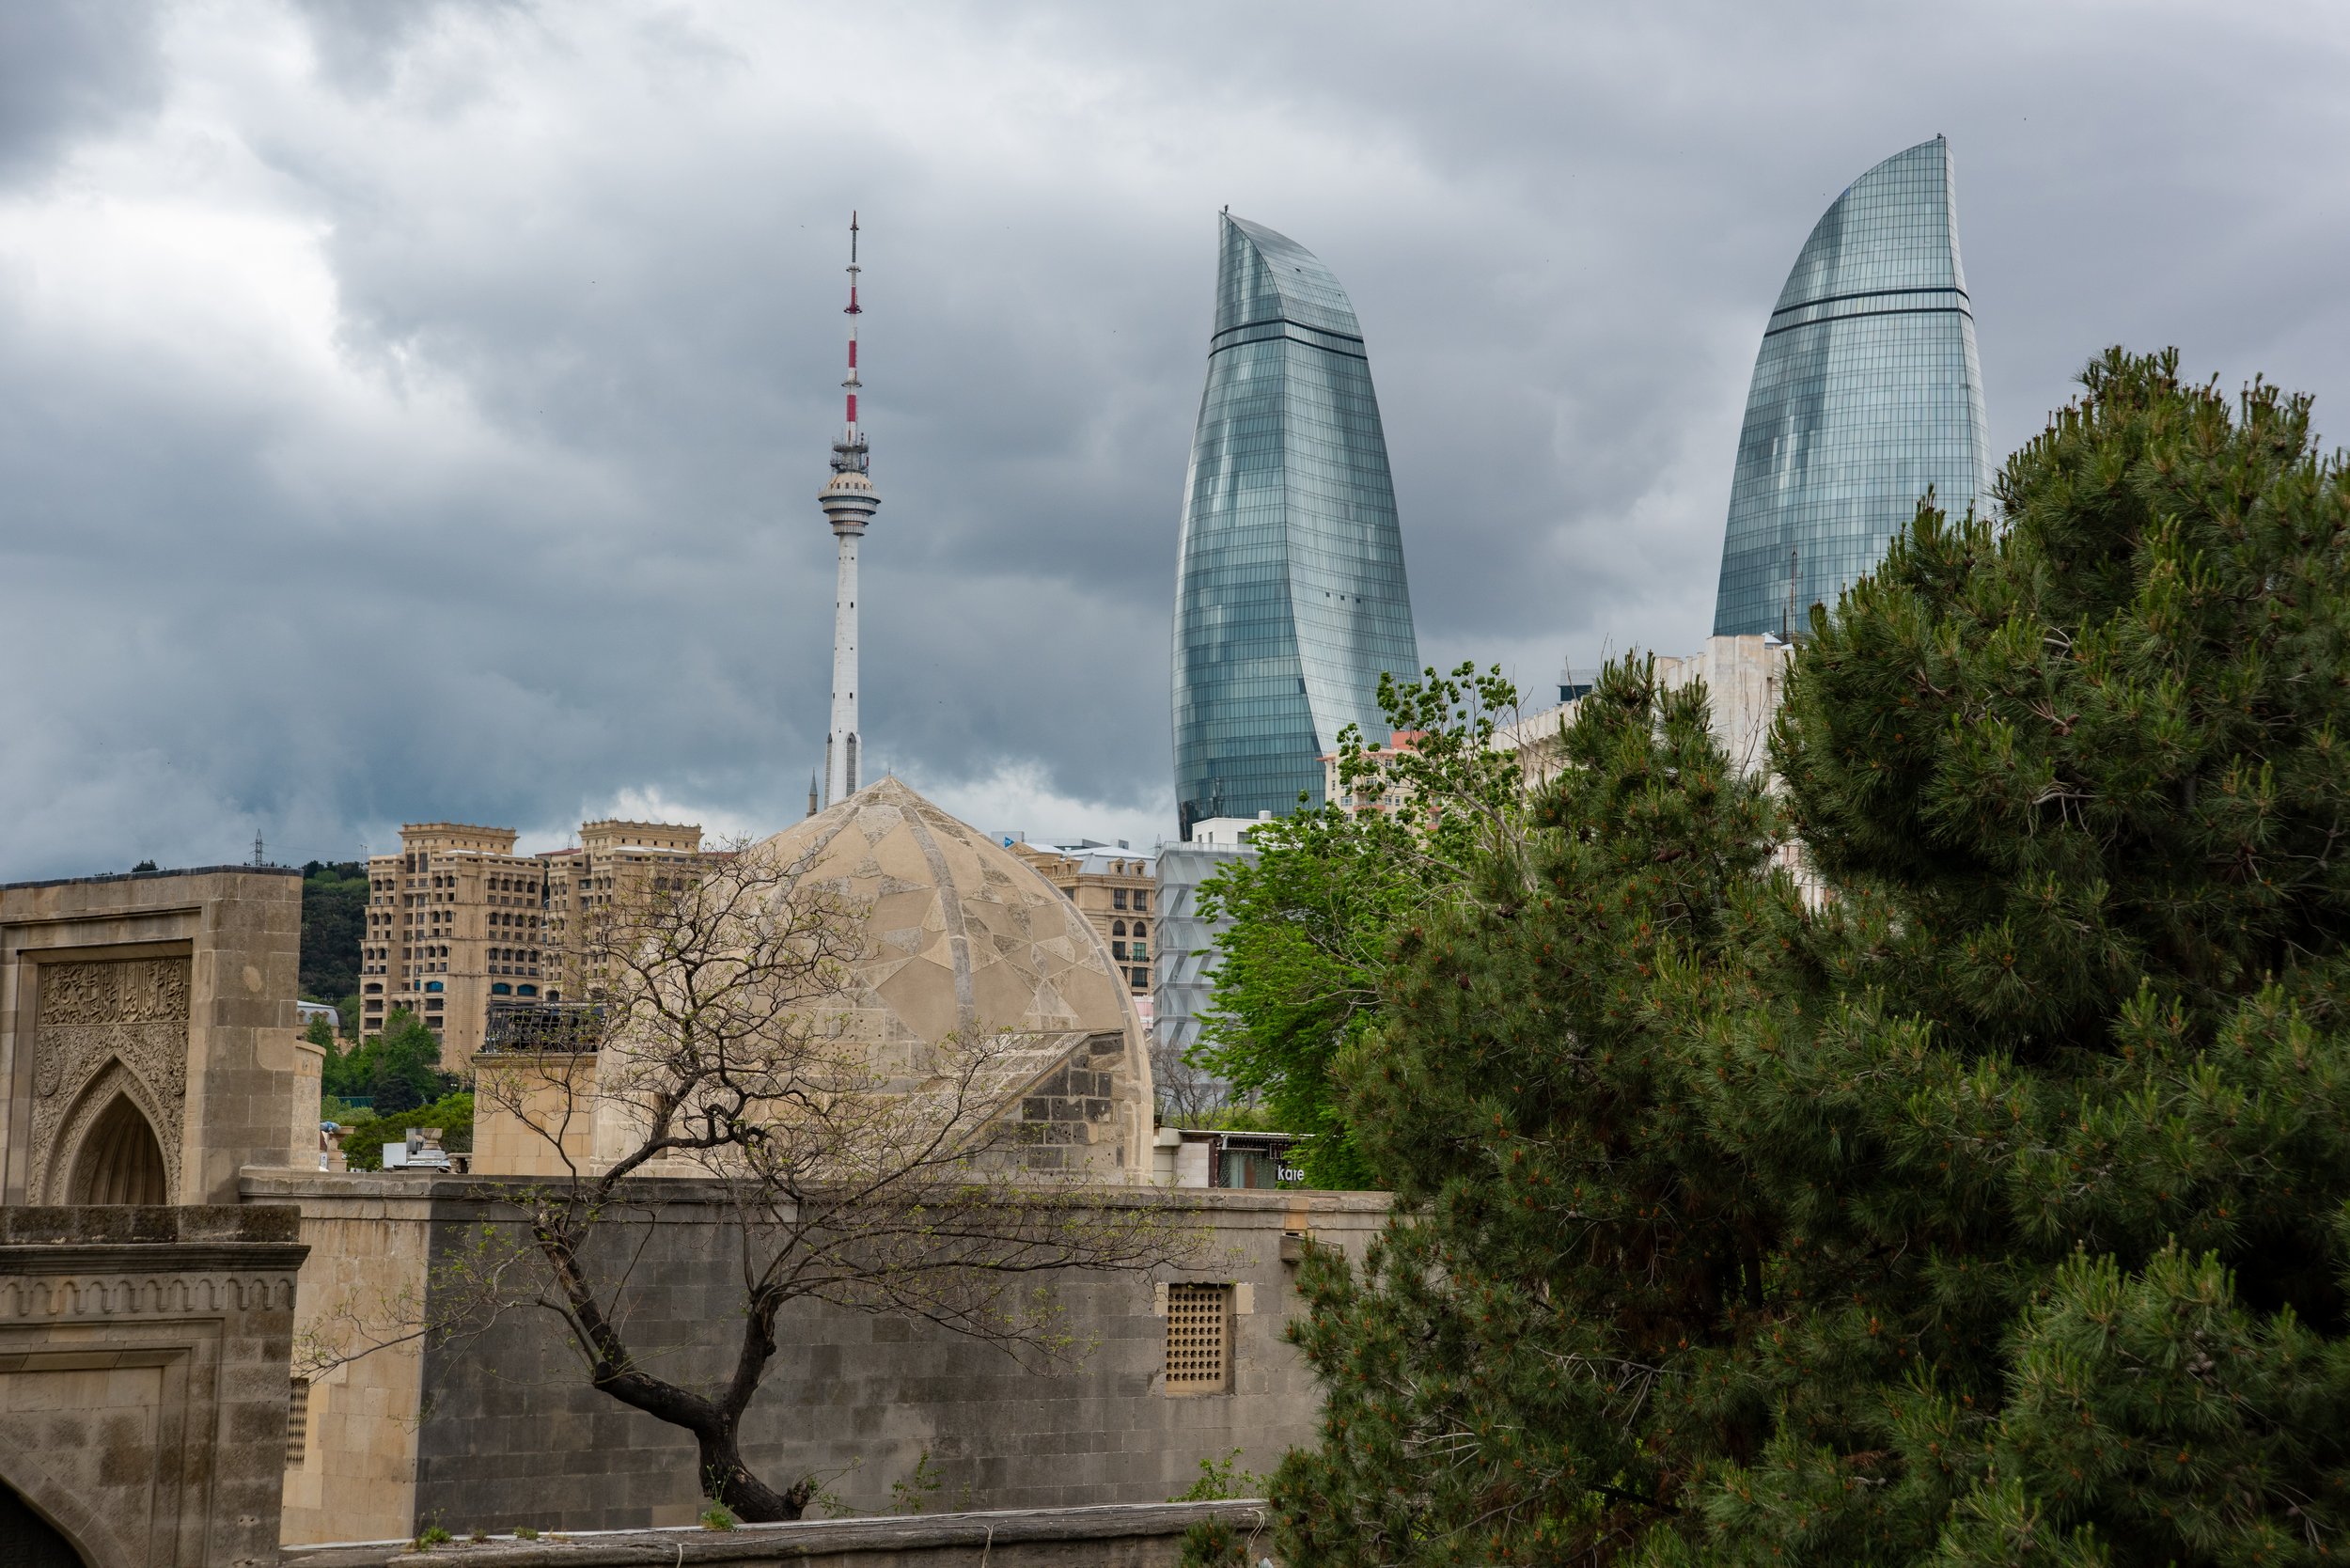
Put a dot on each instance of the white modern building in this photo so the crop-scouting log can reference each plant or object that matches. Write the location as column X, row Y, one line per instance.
column 1186, row 962
column 1744, row 677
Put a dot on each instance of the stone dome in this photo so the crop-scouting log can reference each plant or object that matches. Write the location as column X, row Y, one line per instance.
column 962, row 934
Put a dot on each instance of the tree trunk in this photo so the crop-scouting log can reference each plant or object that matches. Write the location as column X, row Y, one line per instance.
column 726, row 1478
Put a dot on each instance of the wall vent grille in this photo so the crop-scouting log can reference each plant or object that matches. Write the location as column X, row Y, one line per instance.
column 298, row 1424
column 1198, row 1339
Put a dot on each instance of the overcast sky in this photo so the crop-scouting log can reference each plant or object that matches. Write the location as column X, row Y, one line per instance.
column 415, row 411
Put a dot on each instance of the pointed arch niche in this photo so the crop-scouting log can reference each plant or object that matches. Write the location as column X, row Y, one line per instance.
column 109, row 1149
column 120, row 1160
column 28, row 1539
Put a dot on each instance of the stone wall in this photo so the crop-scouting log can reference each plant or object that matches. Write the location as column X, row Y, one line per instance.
column 534, row 1112
column 150, row 1007
column 143, row 1378
column 362, row 1287
column 507, row 1432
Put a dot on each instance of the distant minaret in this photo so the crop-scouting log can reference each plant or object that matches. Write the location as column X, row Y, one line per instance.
column 811, row 794
column 849, row 501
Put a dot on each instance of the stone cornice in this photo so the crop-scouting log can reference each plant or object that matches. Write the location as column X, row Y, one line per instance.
column 153, row 1258
column 150, row 1226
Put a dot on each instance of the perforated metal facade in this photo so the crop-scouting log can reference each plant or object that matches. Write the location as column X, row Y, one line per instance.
column 1289, row 597
column 1867, row 392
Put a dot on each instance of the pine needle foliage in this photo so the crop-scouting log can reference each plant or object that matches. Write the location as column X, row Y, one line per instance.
column 1983, row 1197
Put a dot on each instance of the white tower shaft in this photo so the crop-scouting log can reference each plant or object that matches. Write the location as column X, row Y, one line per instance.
column 840, row 749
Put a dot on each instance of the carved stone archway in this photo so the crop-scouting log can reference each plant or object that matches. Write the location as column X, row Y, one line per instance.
column 106, row 1028
column 29, row 1541
column 105, row 1119
column 38, row 1516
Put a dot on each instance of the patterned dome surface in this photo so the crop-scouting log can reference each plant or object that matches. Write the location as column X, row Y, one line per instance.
column 960, row 934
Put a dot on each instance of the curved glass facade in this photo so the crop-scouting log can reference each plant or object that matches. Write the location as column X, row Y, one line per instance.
column 1867, row 393
column 1290, row 598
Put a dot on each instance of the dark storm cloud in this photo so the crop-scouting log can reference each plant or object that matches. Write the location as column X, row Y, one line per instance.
column 67, row 70
column 415, row 410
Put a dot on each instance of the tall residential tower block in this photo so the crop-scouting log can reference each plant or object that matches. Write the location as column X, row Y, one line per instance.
column 1290, row 595
column 1867, row 393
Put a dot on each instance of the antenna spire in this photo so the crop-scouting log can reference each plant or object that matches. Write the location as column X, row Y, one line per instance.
column 848, row 453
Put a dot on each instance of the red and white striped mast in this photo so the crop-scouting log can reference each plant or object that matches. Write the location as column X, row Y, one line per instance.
column 849, row 501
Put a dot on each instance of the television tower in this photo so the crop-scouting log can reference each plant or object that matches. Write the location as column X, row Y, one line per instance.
column 849, row 501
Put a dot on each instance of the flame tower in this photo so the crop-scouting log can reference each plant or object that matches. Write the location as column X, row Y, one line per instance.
column 1290, row 593
column 849, row 501
column 1867, row 393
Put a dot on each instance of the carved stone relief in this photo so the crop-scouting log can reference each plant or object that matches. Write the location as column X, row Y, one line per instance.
column 104, row 1027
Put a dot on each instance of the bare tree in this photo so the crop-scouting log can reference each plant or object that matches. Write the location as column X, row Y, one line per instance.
column 883, row 1177
column 1189, row 1095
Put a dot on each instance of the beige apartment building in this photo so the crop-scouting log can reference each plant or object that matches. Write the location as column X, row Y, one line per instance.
column 615, row 862
column 1379, row 792
column 1111, row 885
column 457, row 921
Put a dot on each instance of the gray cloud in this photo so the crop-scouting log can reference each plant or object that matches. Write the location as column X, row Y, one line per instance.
column 417, row 411
column 67, row 71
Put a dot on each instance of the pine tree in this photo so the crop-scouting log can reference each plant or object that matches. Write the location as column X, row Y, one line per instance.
column 1986, row 1201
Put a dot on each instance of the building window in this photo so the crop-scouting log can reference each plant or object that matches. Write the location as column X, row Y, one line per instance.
column 1118, row 928
column 500, row 988
column 432, row 985
column 1142, row 929
column 1198, row 1339
column 1142, row 898
column 298, row 1424
column 1142, row 981
column 1118, row 898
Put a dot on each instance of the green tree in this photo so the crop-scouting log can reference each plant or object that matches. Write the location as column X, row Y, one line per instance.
column 397, row 1069
column 452, row 1114
column 1985, row 1200
column 1315, row 912
column 334, row 919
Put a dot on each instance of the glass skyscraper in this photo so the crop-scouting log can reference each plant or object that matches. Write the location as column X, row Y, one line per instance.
column 1866, row 393
column 1290, row 599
